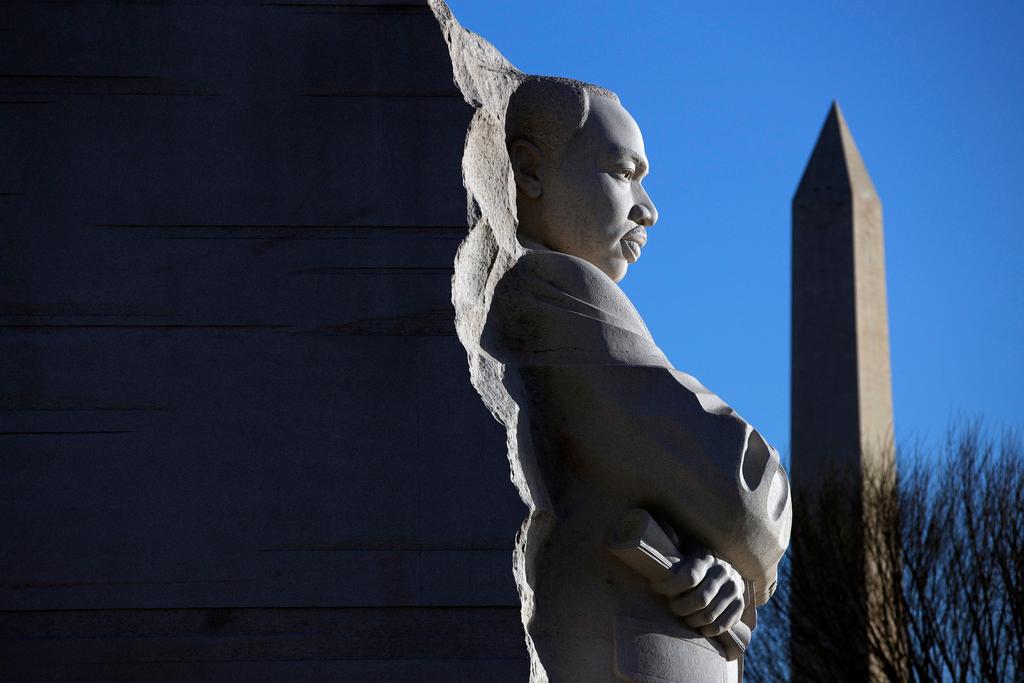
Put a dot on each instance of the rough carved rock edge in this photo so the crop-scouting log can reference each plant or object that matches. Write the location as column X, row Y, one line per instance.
column 487, row 80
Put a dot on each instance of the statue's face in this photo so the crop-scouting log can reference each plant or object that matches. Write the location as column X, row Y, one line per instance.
column 594, row 205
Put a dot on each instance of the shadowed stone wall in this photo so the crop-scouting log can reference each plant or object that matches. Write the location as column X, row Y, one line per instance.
column 237, row 435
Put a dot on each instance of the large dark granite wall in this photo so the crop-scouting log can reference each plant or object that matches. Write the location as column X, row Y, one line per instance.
column 237, row 436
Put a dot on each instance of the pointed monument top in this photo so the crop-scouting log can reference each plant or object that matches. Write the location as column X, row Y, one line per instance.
column 836, row 167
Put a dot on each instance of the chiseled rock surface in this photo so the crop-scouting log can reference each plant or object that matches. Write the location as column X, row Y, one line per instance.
column 598, row 420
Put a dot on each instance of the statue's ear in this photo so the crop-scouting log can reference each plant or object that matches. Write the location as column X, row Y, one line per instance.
column 526, row 160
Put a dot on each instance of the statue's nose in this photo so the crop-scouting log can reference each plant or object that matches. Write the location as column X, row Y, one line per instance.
column 643, row 212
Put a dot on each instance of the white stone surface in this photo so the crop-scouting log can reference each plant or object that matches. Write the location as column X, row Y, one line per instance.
column 599, row 422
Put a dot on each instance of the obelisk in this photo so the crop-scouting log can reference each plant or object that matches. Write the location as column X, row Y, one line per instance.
column 841, row 396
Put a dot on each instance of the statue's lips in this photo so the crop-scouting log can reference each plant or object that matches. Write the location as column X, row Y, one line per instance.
column 632, row 242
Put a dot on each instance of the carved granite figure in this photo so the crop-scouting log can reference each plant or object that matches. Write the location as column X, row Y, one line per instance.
column 599, row 421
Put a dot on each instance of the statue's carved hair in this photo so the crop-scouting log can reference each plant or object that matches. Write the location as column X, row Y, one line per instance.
column 547, row 111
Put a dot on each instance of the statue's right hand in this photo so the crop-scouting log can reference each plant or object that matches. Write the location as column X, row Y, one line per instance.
column 706, row 592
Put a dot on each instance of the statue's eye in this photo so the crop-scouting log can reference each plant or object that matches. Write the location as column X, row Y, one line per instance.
column 627, row 173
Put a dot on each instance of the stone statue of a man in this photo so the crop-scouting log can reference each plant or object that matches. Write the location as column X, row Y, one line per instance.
column 611, row 424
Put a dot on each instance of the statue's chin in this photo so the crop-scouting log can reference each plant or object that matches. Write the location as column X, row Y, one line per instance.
column 616, row 271
column 613, row 267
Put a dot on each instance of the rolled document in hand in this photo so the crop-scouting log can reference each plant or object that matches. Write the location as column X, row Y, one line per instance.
column 640, row 542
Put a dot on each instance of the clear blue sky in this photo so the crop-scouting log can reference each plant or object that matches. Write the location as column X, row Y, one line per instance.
column 731, row 97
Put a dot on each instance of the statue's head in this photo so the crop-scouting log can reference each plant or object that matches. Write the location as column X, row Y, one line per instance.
column 578, row 159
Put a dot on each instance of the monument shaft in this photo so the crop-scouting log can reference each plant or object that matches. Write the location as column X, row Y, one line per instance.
column 841, row 411
column 841, row 386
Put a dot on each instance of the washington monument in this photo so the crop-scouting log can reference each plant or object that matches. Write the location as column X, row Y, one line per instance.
column 841, row 411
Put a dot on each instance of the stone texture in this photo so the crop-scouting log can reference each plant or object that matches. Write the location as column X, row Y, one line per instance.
column 841, row 385
column 842, row 416
column 598, row 420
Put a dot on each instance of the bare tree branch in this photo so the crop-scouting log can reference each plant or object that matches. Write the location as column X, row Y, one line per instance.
column 941, row 548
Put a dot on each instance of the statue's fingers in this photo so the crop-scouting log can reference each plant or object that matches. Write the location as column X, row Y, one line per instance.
column 700, row 597
column 729, row 592
column 686, row 576
column 729, row 616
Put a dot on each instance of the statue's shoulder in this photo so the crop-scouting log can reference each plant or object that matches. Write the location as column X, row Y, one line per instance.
column 564, row 267
column 553, row 308
column 545, row 274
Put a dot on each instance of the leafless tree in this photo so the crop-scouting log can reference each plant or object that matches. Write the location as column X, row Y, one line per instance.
column 919, row 580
